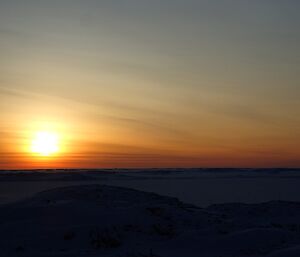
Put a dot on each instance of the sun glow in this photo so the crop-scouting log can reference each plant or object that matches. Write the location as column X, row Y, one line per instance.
column 45, row 143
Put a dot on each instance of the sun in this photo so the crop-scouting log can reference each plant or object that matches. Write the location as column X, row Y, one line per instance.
column 45, row 143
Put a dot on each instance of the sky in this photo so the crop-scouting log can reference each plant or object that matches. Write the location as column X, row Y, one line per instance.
column 136, row 83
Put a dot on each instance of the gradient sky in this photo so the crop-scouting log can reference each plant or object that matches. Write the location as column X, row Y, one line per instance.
column 136, row 83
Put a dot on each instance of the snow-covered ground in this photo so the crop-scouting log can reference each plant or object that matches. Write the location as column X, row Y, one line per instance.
column 201, row 187
column 95, row 220
column 84, row 213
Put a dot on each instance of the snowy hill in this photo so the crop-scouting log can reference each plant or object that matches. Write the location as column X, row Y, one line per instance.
column 96, row 220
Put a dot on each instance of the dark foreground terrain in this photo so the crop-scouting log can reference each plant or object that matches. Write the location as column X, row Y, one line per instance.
column 99, row 220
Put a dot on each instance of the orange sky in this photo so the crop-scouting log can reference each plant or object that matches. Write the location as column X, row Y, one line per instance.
column 150, row 84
